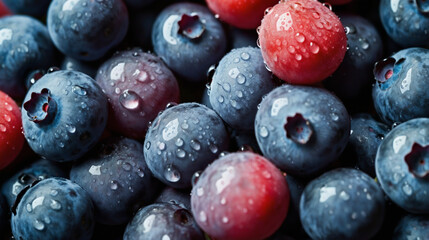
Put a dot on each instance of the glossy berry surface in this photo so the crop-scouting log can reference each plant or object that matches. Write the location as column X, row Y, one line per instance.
column 11, row 137
column 399, row 93
column 412, row 227
column 292, row 128
column 342, row 204
column 237, row 87
column 302, row 42
column 182, row 140
column 163, row 221
column 116, row 178
column 138, row 85
column 402, row 165
column 240, row 196
column 38, row 170
column 240, row 13
column 54, row 208
column 87, row 29
column 366, row 135
column 64, row 115
column 25, row 47
column 187, row 34
column 406, row 22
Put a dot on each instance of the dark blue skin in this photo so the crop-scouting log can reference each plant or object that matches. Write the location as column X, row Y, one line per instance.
column 38, row 170
column 182, row 140
column 412, row 227
column 86, row 29
column 354, row 75
column 402, row 96
column 238, row 85
column 302, row 129
column 75, row 116
column 163, row 221
column 28, row 7
column 116, row 177
column 76, row 65
column 406, row 22
column 188, row 55
column 365, row 136
column 402, row 164
column 343, row 203
column 25, row 47
column 54, row 208
column 242, row 37
column 174, row 196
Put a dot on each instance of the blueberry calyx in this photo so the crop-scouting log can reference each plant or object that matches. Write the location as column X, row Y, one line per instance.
column 191, row 26
column 418, row 160
column 41, row 108
column 383, row 70
column 422, row 6
column 298, row 129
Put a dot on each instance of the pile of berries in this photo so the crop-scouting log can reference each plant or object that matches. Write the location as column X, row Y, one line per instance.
column 214, row 119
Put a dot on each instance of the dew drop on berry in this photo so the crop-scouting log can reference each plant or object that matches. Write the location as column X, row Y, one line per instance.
column 79, row 90
column 7, row 118
column 263, row 132
column 171, row 174
column 314, row 48
column 55, row 205
column 38, row 225
column 113, row 185
column 129, row 99
column 195, row 144
column 2, row 128
column 180, row 153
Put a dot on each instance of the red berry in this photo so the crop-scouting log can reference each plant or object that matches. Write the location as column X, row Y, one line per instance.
column 4, row 11
column 11, row 137
column 241, row 13
column 302, row 42
column 240, row 196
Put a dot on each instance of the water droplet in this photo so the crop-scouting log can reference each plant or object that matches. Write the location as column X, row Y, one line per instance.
column 316, row 15
column 266, row 174
column 28, row 207
column 129, row 99
column 245, row 56
column 113, row 185
column 180, row 153
column 79, row 90
column 161, row 146
column 54, row 192
column 407, row 189
column 38, row 225
column 241, row 79
column 203, row 216
column 2, row 128
column 314, row 48
column 148, row 222
column 213, row 148
column 354, row 215
column 298, row 57
column 220, row 99
column 291, row 49
column 140, row 172
column 55, row 205
column 344, row 196
column 233, row 73
column 165, row 237
column 126, row 166
column 334, row 116
column 200, row 191
column 171, row 174
column 299, row 37
column 223, row 201
column 195, row 177
column 47, row 220
column 226, row 87
column 179, row 142
column 7, row 118
column 71, row 128
column 364, row 43
column 263, row 132
column 195, row 145
column 225, row 220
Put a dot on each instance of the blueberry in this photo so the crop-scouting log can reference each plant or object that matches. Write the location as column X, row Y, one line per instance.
column 302, row 129
column 174, row 196
column 64, row 115
column 163, row 221
column 366, row 135
column 187, row 36
column 116, row 178
column 412, row 227
column 28, row 7
column 342, row 204
column 182, row 140
column 87, row 29
column 400, row 91
column 353, row 76
column 138, row 86
column 38, row 170
column 405, row 21
column 402, row 165
column 54, row 208
column 239, row 38
column 237, row 87
column 25, row 46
